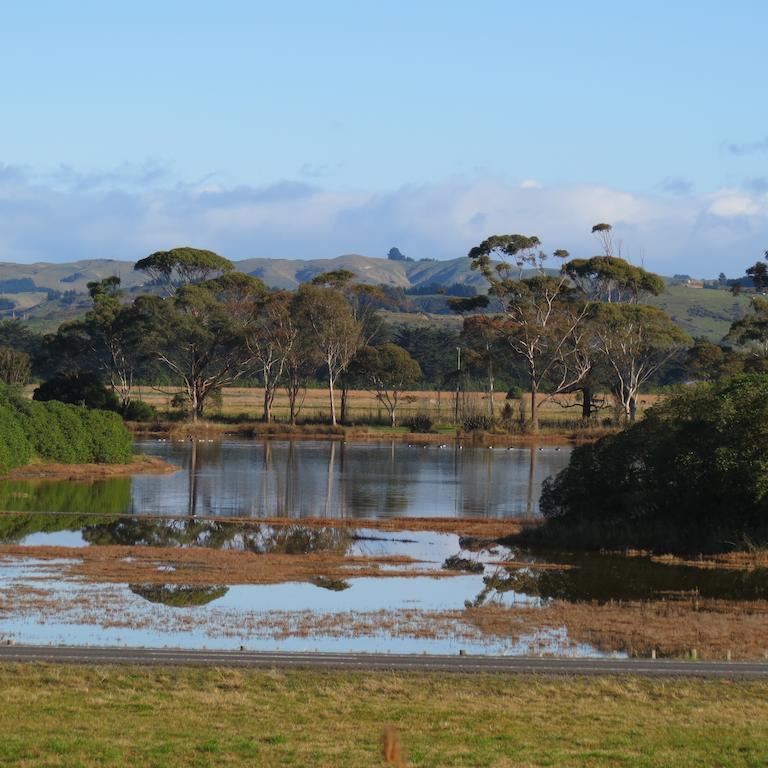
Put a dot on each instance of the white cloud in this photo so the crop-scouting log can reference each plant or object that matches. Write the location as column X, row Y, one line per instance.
column 99, row 215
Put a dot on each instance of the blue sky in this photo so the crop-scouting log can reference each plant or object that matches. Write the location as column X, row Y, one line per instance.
column 310, row 129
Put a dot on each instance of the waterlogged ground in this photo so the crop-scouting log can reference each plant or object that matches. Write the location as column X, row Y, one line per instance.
column 371, row 547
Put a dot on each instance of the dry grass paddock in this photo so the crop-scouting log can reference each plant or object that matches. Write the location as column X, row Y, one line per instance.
column 247, row 403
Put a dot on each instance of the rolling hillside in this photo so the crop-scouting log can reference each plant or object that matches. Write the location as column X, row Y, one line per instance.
column 24, row 287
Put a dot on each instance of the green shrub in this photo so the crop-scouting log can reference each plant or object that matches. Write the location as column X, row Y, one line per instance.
column 138, row 410
column 15, row 449
column 692, row 475
column 110, row 440
column 421, row 422
column 515, row 392
column 43, row 431
column 77, row 444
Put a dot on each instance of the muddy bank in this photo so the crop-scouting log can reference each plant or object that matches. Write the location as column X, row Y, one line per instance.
column 141, row 465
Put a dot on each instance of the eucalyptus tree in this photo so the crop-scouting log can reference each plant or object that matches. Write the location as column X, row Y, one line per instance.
column 105, row 342
column 325, row 316
column 388, row 371
column 542, row 321
column 199, row 334
column 636, row 341
column 182, row 266
column 364, row 301
column 271, row 338
column 612, row 279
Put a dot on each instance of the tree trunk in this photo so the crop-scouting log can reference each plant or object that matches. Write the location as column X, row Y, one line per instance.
column 267, row 414
column 586, row 402
column 344, row 404
column 632, row 410
column 534, row 409
column 392, row 416
column 490, row 386
column 332, row 401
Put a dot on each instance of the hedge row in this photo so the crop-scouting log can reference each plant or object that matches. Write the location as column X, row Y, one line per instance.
column 54, row 431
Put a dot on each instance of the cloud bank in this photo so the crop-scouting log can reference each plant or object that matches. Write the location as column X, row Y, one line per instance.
column 132, row 211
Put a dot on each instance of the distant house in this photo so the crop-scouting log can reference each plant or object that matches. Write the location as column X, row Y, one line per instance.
column 691, row 283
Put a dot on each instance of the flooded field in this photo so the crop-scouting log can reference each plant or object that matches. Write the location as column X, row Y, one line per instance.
column 312, row 478
column 368, row 547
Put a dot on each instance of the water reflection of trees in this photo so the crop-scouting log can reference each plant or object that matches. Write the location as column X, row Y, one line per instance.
column 179, row 595
column 214, row 534
column 101, row 496
column 602, row 578
column 336, row 479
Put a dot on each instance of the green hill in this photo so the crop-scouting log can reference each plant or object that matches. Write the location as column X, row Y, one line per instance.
column 23, row 287
column 702, row 311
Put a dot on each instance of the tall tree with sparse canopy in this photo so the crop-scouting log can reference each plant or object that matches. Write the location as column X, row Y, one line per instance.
column 271, row 338
column 324, row 314
column 542, row 322
column 635, row 340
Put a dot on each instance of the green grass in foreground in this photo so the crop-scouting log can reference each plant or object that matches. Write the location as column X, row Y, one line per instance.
column 99, row 716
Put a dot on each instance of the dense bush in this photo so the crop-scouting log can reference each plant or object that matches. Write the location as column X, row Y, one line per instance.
column 15, row 449
column 76, row 438
column 110, row 440
column 43, row 432
column 58, row 432
column 421, row 422
column 138, row 410
column 692, row 475
column 78, row 389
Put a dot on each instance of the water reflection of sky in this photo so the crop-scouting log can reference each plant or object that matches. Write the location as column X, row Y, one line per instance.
column 338, row 479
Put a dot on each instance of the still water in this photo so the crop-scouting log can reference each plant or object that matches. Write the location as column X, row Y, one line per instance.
column 311, row 479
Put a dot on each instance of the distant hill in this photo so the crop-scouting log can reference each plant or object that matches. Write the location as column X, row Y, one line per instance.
column 24, row 288
column 277, row 273
column 288, row 274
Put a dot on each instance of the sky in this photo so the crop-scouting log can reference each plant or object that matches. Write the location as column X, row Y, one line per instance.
column 305, row 129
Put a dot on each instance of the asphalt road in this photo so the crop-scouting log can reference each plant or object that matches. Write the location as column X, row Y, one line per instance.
column 364, row 662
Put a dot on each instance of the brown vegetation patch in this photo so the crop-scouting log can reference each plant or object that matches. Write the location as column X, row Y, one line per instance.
column 200, row 566
column 730, row 561
column 141, row 465
column 675, row 628
column 534, row 566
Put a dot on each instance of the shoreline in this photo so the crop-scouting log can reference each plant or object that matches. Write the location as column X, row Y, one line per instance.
column 141, row 465
column 260, row 431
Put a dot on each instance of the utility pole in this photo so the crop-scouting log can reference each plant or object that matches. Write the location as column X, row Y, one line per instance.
column 458, row 385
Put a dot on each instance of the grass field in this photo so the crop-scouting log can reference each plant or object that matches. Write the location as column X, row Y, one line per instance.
column 98, row 716
column 246, row 402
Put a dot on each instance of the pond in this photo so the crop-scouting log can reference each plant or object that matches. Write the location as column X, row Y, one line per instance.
column 187, row 560
column 273, row 478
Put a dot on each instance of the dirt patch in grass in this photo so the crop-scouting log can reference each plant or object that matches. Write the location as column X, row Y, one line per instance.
column 141, row 465
column 200, row 566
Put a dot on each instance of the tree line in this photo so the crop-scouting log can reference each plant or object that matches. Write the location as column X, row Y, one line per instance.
column 553, row 325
